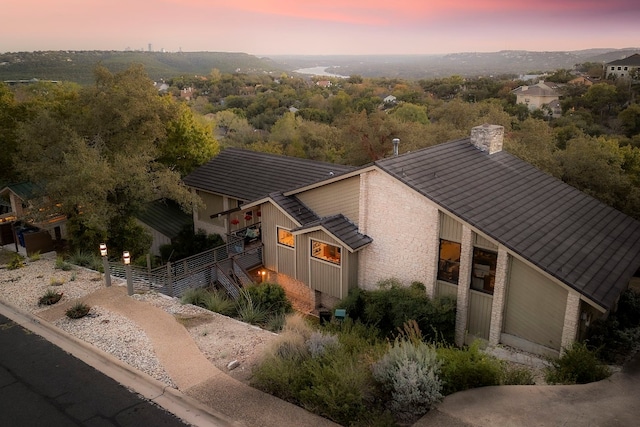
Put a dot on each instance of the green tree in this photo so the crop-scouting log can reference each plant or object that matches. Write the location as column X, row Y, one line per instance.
column 189, row 142
column 98, row 156
column 407, row 112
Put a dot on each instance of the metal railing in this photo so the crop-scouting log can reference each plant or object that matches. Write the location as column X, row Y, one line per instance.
column 226, row 265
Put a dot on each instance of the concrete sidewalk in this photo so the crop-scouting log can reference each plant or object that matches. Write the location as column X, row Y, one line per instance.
column 195, row 376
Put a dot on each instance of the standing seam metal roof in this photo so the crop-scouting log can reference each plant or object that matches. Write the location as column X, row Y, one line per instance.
column 582, row 242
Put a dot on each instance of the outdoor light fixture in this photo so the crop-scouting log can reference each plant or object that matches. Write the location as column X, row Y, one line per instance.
column 263, row 273
column 126, row 258
column 105, row 264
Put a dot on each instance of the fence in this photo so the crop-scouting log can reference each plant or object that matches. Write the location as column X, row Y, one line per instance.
column 226, row 264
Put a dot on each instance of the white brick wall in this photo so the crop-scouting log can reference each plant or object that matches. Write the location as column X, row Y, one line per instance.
column 571, row 320
column 499, row 294
column 404, row 229
column 462, row 301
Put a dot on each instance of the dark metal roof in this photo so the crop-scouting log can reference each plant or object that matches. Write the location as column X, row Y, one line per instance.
column 166, row 217
column 295, row 208
column 248, row 175
column 24, row 190
column 341, row 228
column 584, row 243
column 632, row 60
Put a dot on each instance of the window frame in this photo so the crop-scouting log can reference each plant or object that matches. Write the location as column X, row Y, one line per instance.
column 280, row 242
column 488, row 272
column 446, row 265
column 316, row 255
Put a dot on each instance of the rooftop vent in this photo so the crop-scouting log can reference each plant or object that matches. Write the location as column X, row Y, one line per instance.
column 396, row 143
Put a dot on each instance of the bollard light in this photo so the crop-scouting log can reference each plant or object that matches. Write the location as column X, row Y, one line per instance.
column 105, row 264
column 126, row 258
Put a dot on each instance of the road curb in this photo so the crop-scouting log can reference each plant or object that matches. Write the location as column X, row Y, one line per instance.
column 184, row 407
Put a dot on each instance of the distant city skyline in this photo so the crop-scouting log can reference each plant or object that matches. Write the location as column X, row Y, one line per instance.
column 330, row 27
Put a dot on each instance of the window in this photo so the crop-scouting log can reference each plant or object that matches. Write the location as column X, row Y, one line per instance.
column 325, row 252
column 449, row 264
column 286, row 238
column 483, row 276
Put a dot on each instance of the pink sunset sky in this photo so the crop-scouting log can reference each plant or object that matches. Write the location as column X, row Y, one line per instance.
column 327, row 27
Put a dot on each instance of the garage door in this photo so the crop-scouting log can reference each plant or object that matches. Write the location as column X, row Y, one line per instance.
column 535, row 306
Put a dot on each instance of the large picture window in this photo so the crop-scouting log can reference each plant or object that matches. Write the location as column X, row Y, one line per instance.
column 285, row 238
column 325, row 252
column 449, row 265
column 483, row 276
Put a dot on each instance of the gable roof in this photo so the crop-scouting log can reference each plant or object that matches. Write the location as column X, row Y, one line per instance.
column 249, row 175
column 580, row 241
column 539, row 89
column 633, row 60
column 340, row 228
column 166, row 217
column 24, row 190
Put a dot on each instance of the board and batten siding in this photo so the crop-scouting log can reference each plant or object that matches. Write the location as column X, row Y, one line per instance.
column 450, row 228
column 213, row 204
column 535, row 307
column 272, row 218
column 484, row 243
column 321, row 275
column 340, row 197
column 479, row 320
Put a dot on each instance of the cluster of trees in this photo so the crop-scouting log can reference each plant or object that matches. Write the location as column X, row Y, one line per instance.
column 102, row 151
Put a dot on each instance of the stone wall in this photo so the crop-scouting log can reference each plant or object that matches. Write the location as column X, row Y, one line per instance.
column 301, row 296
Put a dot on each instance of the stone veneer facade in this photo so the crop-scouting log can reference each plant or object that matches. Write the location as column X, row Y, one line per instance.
column 404, row 227
column 302, row 297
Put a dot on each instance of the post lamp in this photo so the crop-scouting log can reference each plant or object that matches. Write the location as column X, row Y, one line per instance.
column 126, row 258
column 105, row 264
column 263, row 273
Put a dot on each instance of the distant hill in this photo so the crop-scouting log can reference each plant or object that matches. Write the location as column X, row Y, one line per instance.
column 77, row 66
column 467, row 64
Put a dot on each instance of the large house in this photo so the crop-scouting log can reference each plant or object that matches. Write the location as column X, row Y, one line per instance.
column 538, row 95
column 531, row 260
column 622, row 68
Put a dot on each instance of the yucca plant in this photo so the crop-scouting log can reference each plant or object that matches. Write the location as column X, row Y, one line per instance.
column 78, row 310
column 50, row 297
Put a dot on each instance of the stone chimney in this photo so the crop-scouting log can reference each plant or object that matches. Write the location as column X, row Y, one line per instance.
column 488, row 138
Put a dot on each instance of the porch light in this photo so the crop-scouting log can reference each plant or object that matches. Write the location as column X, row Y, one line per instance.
column 263, row 273
column 126, row 258
column 103, row 249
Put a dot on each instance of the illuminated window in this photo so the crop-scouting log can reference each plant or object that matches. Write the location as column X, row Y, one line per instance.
column 449, row 265
column 483, row 276
column 286, row 238
column 325, row 252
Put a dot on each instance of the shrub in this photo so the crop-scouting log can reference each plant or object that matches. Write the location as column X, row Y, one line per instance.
column 318, row 343
column 82, row 258
column 409, row 371
column 250, row 311
column 628, row 312
column 196, row 296
column 50, row 297
column 390, row 306
column 467, row 368
column 219, row 302
column 63, row 265
column 17, row 261
column 35, row 256
column 77, row 310
column 297, row 323
column 516, row 375
column 56, row 282
column 577, row 365
column 271, row 296
column 275, row 322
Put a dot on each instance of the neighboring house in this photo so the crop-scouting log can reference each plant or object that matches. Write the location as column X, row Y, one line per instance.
column 237, row 176
column 389, row 99
column 531, row 260
column 537, row 95
column 622, row 67
column 581, row 80
column 163, row 220
column 16, row 227
column 323, row 83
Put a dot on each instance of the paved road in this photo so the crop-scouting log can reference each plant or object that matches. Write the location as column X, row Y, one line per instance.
column 41, row 385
